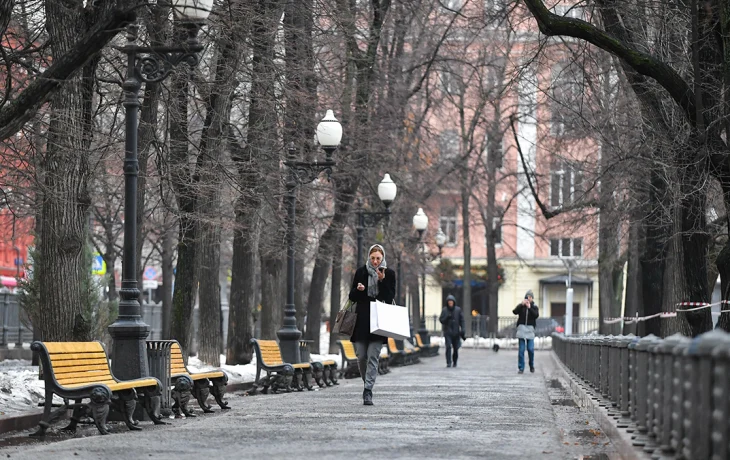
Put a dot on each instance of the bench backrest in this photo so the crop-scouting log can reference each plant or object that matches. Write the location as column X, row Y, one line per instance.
column 177, row 363
column 270, row 352
column 78, row 363
column 392, row 346
column 348, row 349
column 419, row 341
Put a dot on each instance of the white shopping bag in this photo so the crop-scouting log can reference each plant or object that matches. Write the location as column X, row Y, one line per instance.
column 389, row 320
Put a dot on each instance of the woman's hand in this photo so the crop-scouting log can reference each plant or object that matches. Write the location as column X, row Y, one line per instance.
column 360, row 287
column 381, row 275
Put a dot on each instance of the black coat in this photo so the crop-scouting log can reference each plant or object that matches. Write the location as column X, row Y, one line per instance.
column 386, row 294
column 452, row 321
column 526, row 316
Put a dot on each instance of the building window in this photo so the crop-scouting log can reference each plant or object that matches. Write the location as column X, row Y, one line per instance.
column 569, row 11
column 566, row 247
column 567, row 98
column 498, row 148
column 497, row 230
column 566, row 184
column 447, row 221
column 451, row 79
column 453, row 4
column 449, row 144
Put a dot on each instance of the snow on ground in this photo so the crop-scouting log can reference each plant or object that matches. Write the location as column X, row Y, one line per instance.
column 541, row 343
column 20, row 388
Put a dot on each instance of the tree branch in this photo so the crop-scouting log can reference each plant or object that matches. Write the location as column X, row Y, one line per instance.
column 25, row 106
column 551, row 25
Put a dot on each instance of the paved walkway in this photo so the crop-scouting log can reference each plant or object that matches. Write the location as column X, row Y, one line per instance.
column 482, row 409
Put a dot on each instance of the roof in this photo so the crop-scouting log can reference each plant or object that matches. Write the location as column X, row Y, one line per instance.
column 562, row 279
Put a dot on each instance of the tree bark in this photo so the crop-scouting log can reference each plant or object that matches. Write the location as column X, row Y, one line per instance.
column 168, row 256
column 61, row 266
column 212, row 171
column 466, row 235
column 634, row 277
column 336, row 297
column 183, row 183
column 494, row 139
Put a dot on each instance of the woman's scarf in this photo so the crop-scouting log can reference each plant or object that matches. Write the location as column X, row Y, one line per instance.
column 373, row 273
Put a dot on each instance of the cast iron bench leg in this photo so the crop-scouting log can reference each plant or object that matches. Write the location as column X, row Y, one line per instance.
column 218, row 389
column 75, row 417
column 125, row 402
column 99, row 405
column 181, row 396
column 201, row 391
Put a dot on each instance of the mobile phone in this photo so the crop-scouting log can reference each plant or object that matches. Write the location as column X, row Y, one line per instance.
column 381, row 269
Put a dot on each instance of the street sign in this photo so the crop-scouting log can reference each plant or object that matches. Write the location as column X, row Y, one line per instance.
column 150, row 273
column 149, row 284
column 98, row 266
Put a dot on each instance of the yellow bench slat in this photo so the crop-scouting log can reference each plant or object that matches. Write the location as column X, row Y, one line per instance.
column 91, row 378
column 79, row 362
column 349, row 350
column 329, row 362
column 59, row 357
column 73, row 347
column 301, row 366
column 117, row 386
column 201, row 375
column 61, row 371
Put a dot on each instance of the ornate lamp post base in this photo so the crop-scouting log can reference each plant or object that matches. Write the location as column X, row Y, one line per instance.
column 129, row 352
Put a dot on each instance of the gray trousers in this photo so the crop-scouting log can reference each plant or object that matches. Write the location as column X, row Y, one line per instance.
column 368, row 354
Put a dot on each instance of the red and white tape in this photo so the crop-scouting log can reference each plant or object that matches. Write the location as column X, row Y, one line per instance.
column 694, row 306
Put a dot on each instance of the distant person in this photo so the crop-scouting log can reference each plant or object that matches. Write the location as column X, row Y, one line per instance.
column 474, row 323
column 373, row 281
column 527, row 314
column 452, row 321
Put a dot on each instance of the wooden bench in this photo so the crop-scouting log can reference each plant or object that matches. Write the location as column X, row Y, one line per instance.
column 80, row 370
column 431, row 349
column 200, row 384
column 279, row 375
column 324, row 372
column 397, row 357
column 349, row 367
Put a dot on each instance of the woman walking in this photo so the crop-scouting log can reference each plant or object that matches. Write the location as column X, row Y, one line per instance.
column 373, row 281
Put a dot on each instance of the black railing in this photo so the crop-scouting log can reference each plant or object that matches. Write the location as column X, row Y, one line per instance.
column 671, row 393
column 478, row 326
column 13, row 327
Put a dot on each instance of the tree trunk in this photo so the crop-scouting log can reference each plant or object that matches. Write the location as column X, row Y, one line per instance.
column 465, row 233
column 62, row 272
column 634, row 277
column 336, row 297
column 494, row 139
column 212, row 171
column 168, row 255
column 243, row 285
column 272, row 300
column 183, row 183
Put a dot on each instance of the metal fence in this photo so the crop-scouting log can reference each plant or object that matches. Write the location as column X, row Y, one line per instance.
column 12, row 321
column 671, row 393
column 478, row 326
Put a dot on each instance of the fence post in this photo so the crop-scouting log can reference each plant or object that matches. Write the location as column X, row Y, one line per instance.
column 624, row 380
column 614, row 375
column 720, row 401
column 699, row 397
column 678, row 389
column 665, row 357
column 652, row 394
column 19, row 341
column 6, row 319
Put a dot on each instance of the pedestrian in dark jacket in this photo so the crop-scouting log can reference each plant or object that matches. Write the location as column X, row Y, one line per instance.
column 527, row 314
column 373, row 281
column 452, row 321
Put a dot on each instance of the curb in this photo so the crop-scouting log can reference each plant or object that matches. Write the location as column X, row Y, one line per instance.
column 620, row 438
column 30, row 419
column 20, row 422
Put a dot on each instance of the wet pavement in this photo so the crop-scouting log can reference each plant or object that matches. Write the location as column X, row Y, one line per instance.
column 481, row 409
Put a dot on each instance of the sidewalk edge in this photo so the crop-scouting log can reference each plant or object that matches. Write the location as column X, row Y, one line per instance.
column 29, row 419
column 620, row 439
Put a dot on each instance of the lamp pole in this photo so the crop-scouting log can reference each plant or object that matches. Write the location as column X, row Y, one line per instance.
column 387, row 191
column 301, row 172
column 144, row 65
column 420, row 222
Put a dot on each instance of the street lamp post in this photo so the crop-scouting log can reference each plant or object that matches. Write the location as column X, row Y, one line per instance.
column 420, row 222
column 329, row 135
column 144, row 65
column 387, row 190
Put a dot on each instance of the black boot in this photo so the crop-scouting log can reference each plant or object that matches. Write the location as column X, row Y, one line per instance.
column 367, row 397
